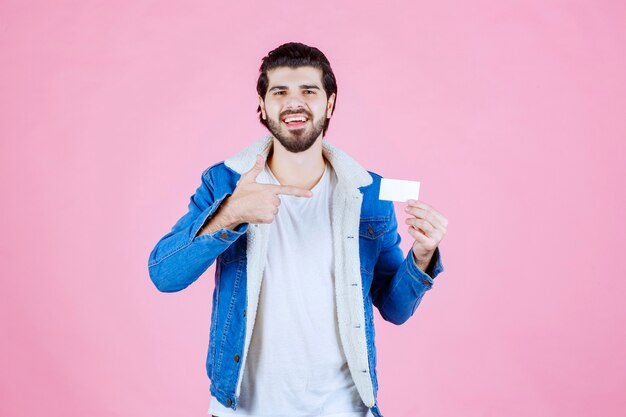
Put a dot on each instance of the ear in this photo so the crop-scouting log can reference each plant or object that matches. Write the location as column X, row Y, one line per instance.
column 262, row 105
column 330, row 105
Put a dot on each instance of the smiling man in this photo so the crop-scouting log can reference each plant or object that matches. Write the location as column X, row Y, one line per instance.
column 304, row 250
column 296, row 120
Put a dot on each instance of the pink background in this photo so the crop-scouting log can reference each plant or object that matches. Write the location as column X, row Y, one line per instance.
column 511, row 113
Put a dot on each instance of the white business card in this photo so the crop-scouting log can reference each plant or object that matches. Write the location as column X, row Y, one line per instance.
column 398, row 190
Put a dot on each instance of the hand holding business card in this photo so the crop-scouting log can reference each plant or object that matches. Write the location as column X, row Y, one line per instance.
column 399, row 190
column 425, row 224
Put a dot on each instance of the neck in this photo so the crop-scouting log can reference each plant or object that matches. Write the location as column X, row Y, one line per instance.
column 302, row 169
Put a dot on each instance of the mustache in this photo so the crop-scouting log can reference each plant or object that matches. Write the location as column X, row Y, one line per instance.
column 306, row 113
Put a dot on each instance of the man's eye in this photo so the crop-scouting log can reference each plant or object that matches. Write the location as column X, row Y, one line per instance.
column 278, row 92
column 309, row 91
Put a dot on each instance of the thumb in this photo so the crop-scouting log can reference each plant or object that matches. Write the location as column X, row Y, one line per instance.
column 256, row 169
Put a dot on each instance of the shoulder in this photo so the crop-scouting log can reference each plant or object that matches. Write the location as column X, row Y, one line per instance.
column 218, row 170
column 372, row 205
column 220, row 177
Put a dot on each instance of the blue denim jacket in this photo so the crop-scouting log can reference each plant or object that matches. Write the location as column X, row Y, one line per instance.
column 370, row 268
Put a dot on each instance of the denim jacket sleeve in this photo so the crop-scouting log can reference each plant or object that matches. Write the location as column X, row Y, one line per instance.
column 399, row 284
column 180, row 257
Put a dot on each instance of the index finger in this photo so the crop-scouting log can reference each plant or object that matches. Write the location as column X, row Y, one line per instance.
column 291, row 190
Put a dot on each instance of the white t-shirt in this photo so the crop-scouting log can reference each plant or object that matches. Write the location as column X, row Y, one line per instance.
column 296, row 366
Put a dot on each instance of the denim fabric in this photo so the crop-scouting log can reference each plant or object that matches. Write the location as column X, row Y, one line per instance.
column 391, row 281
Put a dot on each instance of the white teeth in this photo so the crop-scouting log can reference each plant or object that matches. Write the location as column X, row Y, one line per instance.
column 292, row 119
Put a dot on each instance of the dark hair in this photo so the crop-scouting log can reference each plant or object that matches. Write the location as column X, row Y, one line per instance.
column 294, row 55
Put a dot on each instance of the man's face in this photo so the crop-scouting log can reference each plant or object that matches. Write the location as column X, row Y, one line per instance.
column 295, row 106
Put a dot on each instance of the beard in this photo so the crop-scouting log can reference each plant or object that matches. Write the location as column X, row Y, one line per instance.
column 298, row 140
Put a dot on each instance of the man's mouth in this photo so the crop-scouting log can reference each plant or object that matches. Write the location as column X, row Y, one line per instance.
column 295, row 121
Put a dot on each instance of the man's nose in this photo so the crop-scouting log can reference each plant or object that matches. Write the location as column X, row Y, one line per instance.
column 294, row 102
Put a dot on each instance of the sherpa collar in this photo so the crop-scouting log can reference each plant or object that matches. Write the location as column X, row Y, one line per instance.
column 350, row 174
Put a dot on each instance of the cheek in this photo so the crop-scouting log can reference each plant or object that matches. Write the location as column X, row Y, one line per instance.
column 319, row 109
column 272, row 111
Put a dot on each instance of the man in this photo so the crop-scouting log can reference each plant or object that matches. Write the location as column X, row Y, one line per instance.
column 320, row 249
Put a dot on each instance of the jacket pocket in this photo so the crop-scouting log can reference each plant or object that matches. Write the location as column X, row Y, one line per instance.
column 236, row 251
column 371, row 229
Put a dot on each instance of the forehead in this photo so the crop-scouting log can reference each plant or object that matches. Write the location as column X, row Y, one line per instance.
column 294, row 76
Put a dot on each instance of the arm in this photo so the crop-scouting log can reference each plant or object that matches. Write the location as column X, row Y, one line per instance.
column 182, row 255
column 399, row 284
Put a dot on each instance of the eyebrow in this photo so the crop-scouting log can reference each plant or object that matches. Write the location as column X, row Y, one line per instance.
column 303, row 87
